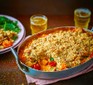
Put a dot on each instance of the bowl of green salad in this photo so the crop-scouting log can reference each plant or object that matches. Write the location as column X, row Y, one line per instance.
column 12, row 32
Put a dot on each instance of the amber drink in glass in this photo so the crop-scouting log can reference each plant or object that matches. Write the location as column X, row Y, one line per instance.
column 82, row 17
column 38, row 23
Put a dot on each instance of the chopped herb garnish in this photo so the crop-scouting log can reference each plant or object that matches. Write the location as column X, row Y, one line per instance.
column 51, row 59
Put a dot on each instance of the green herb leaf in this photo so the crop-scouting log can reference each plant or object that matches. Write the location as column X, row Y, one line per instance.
column 14, row 38
column 8, row 24
column 3, row 20
column 51, row 59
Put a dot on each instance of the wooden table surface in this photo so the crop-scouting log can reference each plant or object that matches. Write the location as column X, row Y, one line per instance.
column 10, row 73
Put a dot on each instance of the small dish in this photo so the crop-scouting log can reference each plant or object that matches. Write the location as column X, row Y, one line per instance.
column 21, row 34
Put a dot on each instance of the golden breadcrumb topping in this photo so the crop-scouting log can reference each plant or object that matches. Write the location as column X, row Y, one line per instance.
column 68, row 48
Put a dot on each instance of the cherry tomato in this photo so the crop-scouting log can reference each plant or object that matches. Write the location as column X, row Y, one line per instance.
column 91, row 55
column 36, row 66
column 52, row 63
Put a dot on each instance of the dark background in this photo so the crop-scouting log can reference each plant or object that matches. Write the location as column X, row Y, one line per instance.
column 48, row 7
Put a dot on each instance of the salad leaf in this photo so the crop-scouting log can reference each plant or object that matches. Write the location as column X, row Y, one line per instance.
column 3, row 20
column 8, row 24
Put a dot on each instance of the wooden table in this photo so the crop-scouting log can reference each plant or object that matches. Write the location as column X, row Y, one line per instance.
column 10, row 73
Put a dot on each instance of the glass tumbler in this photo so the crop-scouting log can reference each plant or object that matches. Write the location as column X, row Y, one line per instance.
column 82, row 17
column 38, row 23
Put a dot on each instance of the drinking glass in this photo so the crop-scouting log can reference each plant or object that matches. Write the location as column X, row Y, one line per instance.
column 82, row 17
column 38, row 23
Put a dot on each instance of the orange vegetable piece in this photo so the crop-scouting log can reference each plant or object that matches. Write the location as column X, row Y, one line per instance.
column 7, row 43
column 82, row 61
column 23, row 58
column 44, row 62
column 45, row 68
column 64, row 66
